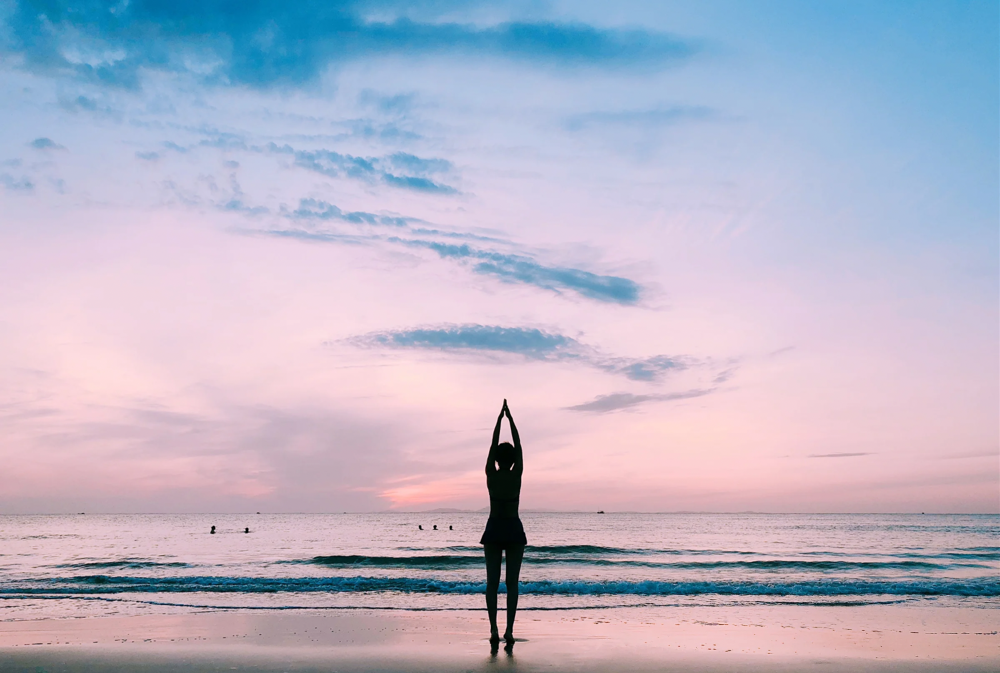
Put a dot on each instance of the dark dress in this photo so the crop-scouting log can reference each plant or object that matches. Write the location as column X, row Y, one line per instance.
column 505, row 531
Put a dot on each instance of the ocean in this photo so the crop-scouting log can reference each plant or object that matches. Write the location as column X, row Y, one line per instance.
column 87, row 564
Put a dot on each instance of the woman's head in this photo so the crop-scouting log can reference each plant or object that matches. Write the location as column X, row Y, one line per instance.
column 504, row 455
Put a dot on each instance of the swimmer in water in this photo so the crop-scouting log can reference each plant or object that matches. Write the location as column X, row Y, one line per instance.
column 212, row 531
column 246, row 530
column 420, row 527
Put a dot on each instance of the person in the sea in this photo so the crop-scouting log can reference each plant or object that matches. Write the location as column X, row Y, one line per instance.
column 504, row 532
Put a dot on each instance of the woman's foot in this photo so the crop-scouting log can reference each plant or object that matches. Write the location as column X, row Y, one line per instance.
column 509, row 638
column 494, row 638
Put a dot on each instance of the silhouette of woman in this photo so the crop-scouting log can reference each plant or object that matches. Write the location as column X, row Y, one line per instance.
column 503, row 529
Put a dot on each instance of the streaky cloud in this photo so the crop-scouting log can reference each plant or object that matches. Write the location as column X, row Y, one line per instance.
column 510, row 268
column 335, row 164
column 418, row 165
column 523, row 269
column 397, row 104
column 505, row 266
column 362, row 128
column 417, row 183
column 45, row 144
column 236, row 205
column 612, row 402
column 603, row 288
column 530, row 342
column 400, row 169
column 648, row 369
column 839, row 455
column 315, row 209
column 616, row 401
column 319, row 210
column 317, row 236
column 79, row 102
column 723, row 376
column 21, row 184
column 224, row 141
column 972, row 454
column 271, row 42
column 633, row 118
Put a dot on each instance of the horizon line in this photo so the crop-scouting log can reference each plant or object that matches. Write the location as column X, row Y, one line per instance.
column 486, row 511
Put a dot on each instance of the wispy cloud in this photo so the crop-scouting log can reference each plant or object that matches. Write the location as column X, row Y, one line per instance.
column 97, row 106
column 272, row 42
column 369, row 129
column 994, row 453
column 21, row 184
column 612, row 402
column 508, row 267
column 319, row 237
column 528, row 342
column 839, row 455
column 399, row 169
column 45, row 144
column 513, row 268
column 315, row 209
column 236, row 205
column 396, row 104
column 616, row 401
column 639, row 118
column 647, row 369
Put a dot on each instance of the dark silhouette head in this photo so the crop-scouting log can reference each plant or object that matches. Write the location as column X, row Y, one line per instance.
column 505, row 455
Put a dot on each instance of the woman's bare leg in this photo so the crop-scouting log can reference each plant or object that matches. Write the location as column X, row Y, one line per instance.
column 494, row 554
column 514, row 555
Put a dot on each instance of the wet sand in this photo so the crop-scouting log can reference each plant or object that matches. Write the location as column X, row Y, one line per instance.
column 770, row 638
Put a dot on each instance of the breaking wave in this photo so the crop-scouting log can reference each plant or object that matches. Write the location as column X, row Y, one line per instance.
column 104, row 584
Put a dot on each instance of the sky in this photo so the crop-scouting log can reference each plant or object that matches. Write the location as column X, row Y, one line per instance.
column 292, row 256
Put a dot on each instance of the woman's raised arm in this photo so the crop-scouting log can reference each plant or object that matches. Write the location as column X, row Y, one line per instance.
column 491, row 459
column 518, row 456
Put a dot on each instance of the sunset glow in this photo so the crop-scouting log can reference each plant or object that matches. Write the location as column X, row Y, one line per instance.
column 739, row 258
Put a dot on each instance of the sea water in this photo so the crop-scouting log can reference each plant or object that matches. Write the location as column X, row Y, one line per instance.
column 85, row 564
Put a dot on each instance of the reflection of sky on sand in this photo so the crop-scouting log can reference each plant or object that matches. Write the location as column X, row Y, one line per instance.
column 721, row 636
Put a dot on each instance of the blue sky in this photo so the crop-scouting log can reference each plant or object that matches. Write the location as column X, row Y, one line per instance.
column 292, row 256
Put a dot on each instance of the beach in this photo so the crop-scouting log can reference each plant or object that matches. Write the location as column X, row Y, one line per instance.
column 774, row 638
column 332, row 333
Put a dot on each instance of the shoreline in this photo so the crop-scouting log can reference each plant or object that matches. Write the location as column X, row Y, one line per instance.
column 848, row 639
